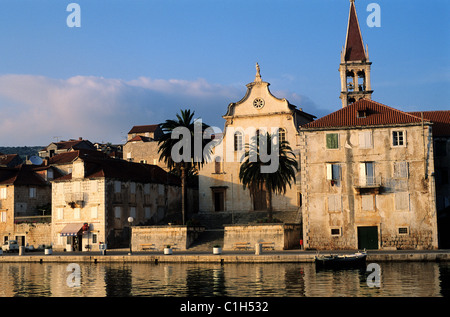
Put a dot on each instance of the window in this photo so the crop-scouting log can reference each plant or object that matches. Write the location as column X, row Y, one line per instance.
column 147, row 189
column 94, row 212
column 281, row 135
column 365, row 140
column 367, row 203
column 3, row 216
column 400, row 169
column 334, row 203
column 49, row 174
column 402, row 201
column 32, row 192
column 3, row 192
column 77, row 213
column 133, row 188
column 398, row 138
column 117, row 212
column 60, row 213
column 367, row 174
column 94, row 238
column 117, row 187
column 218, row 165
column 133, row 212
column 332, row 140
column 403, row 230
column 238, row 144
column 333, row 172
column 335, row 231
column 147, row 212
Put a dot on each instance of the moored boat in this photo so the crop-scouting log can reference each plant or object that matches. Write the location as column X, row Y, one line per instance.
column 353, row 260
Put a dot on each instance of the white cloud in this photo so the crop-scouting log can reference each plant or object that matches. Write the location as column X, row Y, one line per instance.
column 34, row 109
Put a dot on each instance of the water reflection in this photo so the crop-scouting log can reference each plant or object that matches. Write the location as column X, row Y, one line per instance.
column 236, row 280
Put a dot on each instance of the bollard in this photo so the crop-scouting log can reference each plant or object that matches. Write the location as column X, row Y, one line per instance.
column 21, row 250
column 258, row 248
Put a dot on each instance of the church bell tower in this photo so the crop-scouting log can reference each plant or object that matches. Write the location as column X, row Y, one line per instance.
column 355, row 65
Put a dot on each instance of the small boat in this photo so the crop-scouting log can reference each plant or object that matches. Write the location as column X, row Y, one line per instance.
column 353, row 260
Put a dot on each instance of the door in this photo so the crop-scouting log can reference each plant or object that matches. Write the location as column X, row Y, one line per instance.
column 368, row 237
column 259, row 200
column 219, row 201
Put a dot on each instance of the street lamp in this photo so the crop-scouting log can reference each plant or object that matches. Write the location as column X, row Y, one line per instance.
column 130, row 221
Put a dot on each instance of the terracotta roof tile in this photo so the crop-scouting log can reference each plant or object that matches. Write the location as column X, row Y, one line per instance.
column 440, row 119
column 144, row 128
column 373, row 114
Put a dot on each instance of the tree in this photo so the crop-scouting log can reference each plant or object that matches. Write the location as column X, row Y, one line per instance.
column 183, row 148
column 253, row 176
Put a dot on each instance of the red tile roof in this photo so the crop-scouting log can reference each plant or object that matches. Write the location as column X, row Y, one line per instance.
column 126, row 171
column 144, row 128
column 140, row 138
column 69, row 157
column 376, row 114
column 440, row 119
column 22, row 175
column 354, row 47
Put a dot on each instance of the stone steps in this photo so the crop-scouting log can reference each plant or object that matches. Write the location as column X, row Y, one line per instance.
column 207, row 240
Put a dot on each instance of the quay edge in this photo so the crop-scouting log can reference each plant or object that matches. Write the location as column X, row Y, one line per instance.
column 222, row 258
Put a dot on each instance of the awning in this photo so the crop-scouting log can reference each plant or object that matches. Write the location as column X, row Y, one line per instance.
column 72, row 229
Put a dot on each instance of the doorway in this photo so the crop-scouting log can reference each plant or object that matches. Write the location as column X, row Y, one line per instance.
column 259, row 200
column 368, row 237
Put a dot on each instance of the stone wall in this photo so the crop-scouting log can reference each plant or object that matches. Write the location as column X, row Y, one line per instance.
column 157, row 237
column 400, row 205
column 36, row 233
column 280, row 236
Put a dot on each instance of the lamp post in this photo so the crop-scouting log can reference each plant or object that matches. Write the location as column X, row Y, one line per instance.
column 130, row 221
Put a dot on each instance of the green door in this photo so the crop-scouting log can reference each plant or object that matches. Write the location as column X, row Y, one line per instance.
column 368, row 237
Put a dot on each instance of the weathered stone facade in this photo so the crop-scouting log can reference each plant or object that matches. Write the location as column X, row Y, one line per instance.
column 105, row 196
column 24, row 193
column 369, row 189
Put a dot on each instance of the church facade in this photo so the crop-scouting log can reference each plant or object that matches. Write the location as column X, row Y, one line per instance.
column 259, row 110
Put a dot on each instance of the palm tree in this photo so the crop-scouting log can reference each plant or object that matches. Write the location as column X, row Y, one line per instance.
column 252, row 174
column 183, row 155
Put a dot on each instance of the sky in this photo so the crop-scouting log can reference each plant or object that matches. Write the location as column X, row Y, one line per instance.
column 137, row 62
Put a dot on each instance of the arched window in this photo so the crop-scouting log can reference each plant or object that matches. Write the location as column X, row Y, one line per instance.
column 238, row 141
column 281, row 135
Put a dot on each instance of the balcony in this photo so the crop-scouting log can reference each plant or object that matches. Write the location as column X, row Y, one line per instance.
column 367, row 184
column 74, row 199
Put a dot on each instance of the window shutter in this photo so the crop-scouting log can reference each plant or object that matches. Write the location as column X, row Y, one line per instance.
column 329, row 171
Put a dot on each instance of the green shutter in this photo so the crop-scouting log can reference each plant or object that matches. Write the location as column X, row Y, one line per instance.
column 332, row 141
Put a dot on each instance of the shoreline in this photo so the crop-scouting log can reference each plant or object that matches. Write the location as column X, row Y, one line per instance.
column 289, row 256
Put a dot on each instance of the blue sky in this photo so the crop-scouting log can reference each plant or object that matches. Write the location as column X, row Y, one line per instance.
column 138, row 62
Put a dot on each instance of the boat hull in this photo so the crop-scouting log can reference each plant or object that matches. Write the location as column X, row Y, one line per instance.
column 341, row 261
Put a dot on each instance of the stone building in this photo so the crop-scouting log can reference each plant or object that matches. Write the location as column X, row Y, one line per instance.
column 367, row 180
column 93, row 203
column 219, row 187
column 25, row 198
column 142, row 145
column 66, row 146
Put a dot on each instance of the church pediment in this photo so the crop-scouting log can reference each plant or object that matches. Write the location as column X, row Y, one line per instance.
column 258, row 101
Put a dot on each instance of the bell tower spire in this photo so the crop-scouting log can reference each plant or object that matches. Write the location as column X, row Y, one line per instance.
column 355, row 65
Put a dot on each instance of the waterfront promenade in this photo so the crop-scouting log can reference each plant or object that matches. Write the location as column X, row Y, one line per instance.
column 288, row 256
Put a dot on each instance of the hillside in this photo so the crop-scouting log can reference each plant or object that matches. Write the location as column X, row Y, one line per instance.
column 23, row 151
